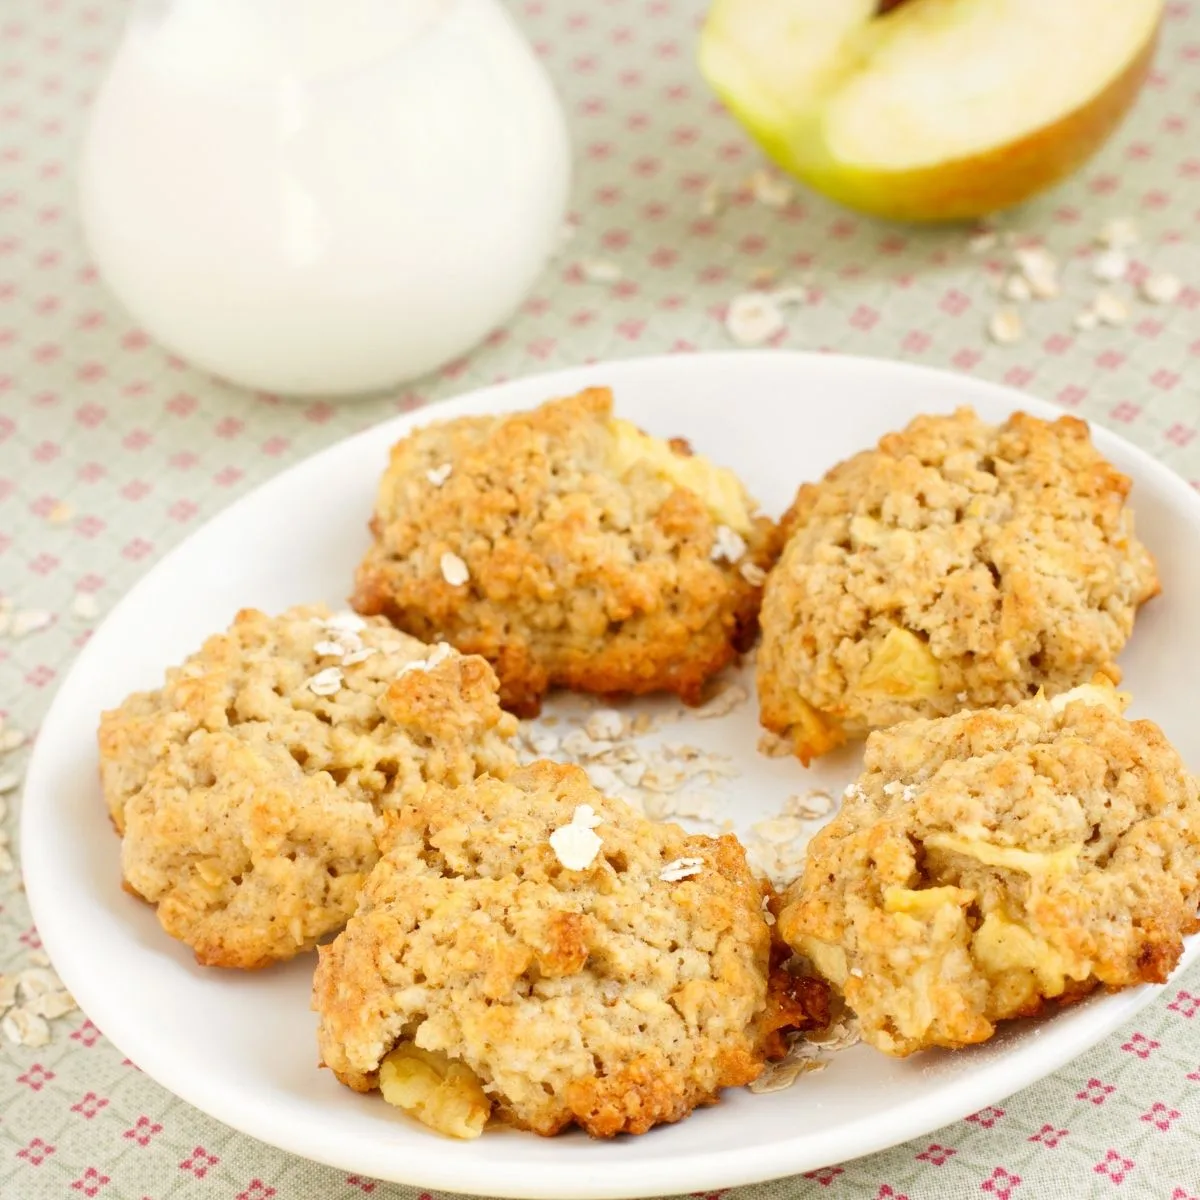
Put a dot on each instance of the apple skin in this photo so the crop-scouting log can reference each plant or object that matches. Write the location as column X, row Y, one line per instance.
column 959, row 189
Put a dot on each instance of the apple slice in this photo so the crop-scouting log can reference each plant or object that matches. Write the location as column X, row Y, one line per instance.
column 929, row 110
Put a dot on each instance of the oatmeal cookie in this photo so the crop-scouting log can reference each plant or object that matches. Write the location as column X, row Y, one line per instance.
column 480, row 976
column 569, row 549
column 991, row 863
column 957, row 565
column 250, row 789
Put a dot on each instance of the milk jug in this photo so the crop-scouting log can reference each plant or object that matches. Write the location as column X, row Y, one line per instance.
column 322, row 196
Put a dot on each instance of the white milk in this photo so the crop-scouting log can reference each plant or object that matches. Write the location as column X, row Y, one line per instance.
column 323, row 196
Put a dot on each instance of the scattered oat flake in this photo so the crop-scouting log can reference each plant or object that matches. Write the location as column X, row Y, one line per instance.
column 454, row 570
column 731, row 696
column 84, row 607
column 25, row 1028
column 344, row 622
column 541, row 743
column 10, row 740
column 585, row 815
column 604, row 779
column 357, row 656
column 576, row 845
column 695, row 808
column 327, row 682
column 31, row 620
column 438, row 655
column 53, row 1005
column 1034, row 260
column 438, row 475
column 982, row 242
column 1161, row 288
column 60, row 514
column 599, row 270
column 1005, row 326
column 1110, row 266
column 37, row 981
column 1110, row 308
column 769, row 189
column 635, row 803
column 753, row 318
column 712, row 200
column 631, row 774
column 329, row 649
column 664, row 778
column 840, row 1034
column 811, row 806
column 578, row 744
column 763, row 277
column 779, row 1076
column 753, row 574
column 681, row 868
column 8, row 992
column 773, row 746
column 1040, row 269
column 792, row 296
column 605, row 725
column 1087, row 319
column 779, row 829
column 1016, row 287
column 9, row 782
column 728, row 545
column 658, row 807
column 642, row 723
column 1118, row 233
column 808, row 1052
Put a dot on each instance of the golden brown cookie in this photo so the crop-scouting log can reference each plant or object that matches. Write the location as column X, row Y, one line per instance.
column 957, row 565
column 569, row 549
column 250, row 789
column 482, row 976
column 988, row 864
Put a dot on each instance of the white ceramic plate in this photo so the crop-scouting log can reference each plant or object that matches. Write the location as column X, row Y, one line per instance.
column 241, row 1047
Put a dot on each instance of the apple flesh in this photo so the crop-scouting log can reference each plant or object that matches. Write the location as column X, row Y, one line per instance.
column 929, row 110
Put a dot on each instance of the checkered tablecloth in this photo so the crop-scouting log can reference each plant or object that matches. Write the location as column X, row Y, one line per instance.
column 111, row 451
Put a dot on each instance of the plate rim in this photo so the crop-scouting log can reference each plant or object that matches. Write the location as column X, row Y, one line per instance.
column 718, row 1167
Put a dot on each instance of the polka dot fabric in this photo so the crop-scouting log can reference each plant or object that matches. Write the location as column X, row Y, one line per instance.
column 111, row 451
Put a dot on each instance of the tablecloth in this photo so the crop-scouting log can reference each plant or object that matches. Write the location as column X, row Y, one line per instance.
column 111, row 451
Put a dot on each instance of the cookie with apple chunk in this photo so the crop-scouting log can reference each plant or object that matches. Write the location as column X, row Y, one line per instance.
column 956, row 565
column 569, row 549
column 614, row 978
column 997, row 864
